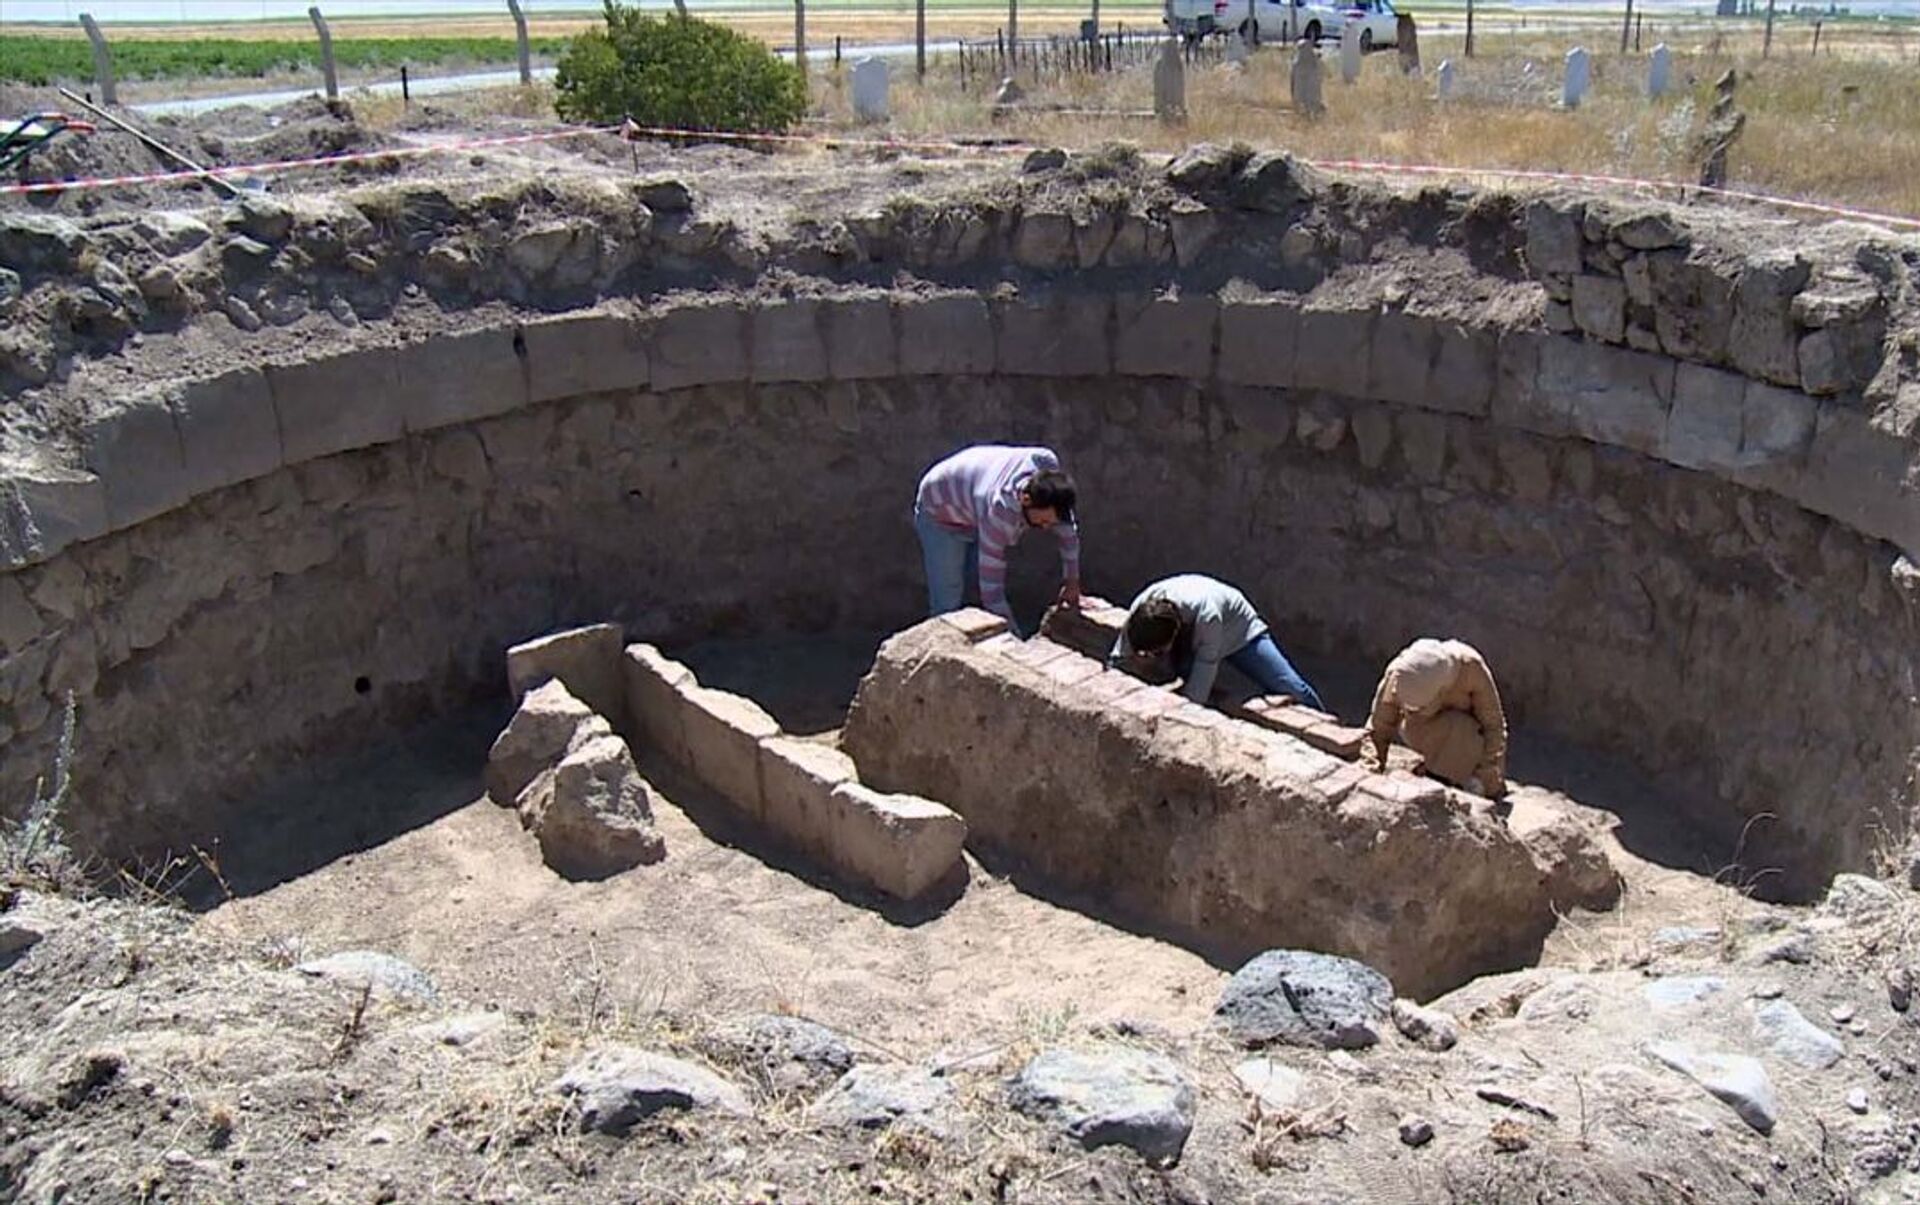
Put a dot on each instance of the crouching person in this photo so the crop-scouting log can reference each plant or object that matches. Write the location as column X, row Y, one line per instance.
column 973, row 507
column 1439, row 697
column 1200, row 622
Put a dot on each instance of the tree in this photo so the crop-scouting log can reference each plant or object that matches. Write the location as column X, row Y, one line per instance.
column 677, row 72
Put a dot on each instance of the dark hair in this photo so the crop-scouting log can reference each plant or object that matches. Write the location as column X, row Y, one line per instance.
column 1051, row 489
column 1153, row 625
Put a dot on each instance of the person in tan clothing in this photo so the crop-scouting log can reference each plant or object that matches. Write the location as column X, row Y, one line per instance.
column 1439, row 697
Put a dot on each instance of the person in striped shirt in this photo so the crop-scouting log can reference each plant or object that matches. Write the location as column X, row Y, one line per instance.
column 974, row 506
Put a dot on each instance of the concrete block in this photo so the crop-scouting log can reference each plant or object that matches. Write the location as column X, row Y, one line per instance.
column 586, row 660
column 860, row 342
column 653, row 685
column 1165, row 336
column 699, row 344
column 1862, row 475
column 44, row 509
column 450, row 379
column 1054, row 337
column 975, row 624
column 1703, row 428
column 1333, row 351
column 1607, row 394
column 577, row 354
column 902, row 844
column 338, row 403
column 1400, row 366
column 787, row 342
column 723, row 734
column 1463, row 370
column 1259, row 342
column 134, row 448
column 1776, row 425
column 950, row 335
column 796, row 779
column 228, row 432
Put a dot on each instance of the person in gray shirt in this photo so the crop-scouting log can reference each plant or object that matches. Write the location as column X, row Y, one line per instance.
column 1200, row 622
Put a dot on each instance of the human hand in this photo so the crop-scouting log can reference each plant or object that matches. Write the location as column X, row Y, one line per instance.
column 1070, row 593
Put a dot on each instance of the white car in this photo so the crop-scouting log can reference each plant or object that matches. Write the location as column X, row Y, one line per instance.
column 1283, row 20
column 1379, row 23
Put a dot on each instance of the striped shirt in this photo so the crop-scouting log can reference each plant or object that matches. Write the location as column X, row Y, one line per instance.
column 976, row 491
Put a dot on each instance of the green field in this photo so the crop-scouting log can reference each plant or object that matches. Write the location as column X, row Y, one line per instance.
column 42, row 61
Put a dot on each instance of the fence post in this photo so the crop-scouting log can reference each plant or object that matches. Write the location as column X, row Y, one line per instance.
column 406, row 94
column 1626, row 27
column 102, row 60
column 1816, row 36
column 520, row 33
column 1013, row 27
column 920, row 38
column 326, row 53
column 1766, row 46
column 1468, row 51
column 800, row 37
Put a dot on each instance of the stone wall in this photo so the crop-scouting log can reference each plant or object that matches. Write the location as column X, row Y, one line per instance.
column 1684, row 551
column 1211, row 831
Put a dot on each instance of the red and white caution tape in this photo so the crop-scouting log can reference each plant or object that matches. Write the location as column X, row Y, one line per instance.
column 631, row 130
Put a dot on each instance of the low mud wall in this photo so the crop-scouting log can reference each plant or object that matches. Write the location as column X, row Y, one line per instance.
column 1228, row 838
column 1671, row 546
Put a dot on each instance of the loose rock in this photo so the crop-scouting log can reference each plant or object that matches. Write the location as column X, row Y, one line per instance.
column 1790, row 1035
column 791, row 1050
column 885, row 1094
column 1427, row 1027
column 1415, row 1131
column 1119, row 1096
column 1737, row 1081
column 1677, row 991
column 1857, row 1100
column 1300, row 998
column 615, row 1087
column 1275, row 1085
column 384, row 972
column 594, row 813
column 1855, row 896
column 549, row 722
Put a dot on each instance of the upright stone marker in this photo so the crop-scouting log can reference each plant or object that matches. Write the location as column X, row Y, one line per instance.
column 1445, row 79
column 1307, row 81
column 870, row 90
column 1237, row 50
column 1350, row 52
column 1659, row 71
column 1170, row 83
column 1579, row 77
column 1407, row 39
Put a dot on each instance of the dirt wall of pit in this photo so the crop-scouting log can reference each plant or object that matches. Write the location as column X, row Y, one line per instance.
column 1357, row 406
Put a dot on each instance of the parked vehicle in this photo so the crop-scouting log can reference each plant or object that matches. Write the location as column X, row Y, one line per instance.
column 1286, row 20
column 1379, row 23
column 1193, row 19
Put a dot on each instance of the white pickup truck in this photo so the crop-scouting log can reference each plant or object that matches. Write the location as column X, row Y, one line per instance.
column 1194, row 19
column 1283, row 20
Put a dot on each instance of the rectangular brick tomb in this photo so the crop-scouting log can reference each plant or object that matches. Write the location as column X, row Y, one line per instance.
column 1228, row 837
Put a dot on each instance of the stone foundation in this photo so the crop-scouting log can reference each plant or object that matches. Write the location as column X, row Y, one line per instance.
column 1215, row 832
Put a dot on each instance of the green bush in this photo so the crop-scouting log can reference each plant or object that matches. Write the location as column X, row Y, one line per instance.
column 678, row 72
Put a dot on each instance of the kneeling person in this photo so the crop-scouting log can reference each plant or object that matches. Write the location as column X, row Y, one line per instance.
column 1202, row 622
column 1439, row 697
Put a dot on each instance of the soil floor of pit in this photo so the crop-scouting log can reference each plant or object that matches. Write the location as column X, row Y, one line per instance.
column 399, row 850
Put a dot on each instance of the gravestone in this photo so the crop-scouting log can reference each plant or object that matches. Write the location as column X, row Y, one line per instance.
column 1237, row 50
column 1170, row 83
column 870, row 90
column 1010, row 93
column 1445, row 79
column 1579, row 77
column 1659, row 71
column 1407, row 39
column 1307, row 81
column 1350, row 52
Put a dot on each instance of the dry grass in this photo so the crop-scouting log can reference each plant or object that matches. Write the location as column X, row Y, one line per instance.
column 1837, row 128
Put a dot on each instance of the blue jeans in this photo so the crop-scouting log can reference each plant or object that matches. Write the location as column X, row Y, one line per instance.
column 1273, row 673
column 952, row 559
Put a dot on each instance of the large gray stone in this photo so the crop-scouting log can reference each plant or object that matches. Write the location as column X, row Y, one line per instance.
column 548, row 722
column 1739, row 1082
column 1763, row 340
column 337, row 403
column 1679, row 991
column 1857, row 472
column 576, row 354
column 654, row 683
column 790, row 1051
column 860, row 342
column 787, row 341
column 949, row 335
column 44, row 508
column 1055, row 337
column 699, row 344
column 1692, row 306
column 1333, row 351
column 615, row 1087
column 1117, row 1096
column 382, row 972
column 586, row 659
column 1166, row 336
column 1790, row 1035
column 593, row 815
column 873, row 1095
column 1427, row 1027
column 457, row 378
column 902, row 844
column 1704, row 427
column 723, row 734
column 1400, row 365
column 1600, row 306
column 1606, row 394
column 1461, row 381
column 1553, row 238
column 1258, row 341
column 1301, row 998
column 135, row 448
column 1776, row 426
column 228, row 431
column 1274, row 182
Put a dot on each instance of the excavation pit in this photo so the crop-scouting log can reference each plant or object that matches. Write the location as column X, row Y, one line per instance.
column 1683, row 555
